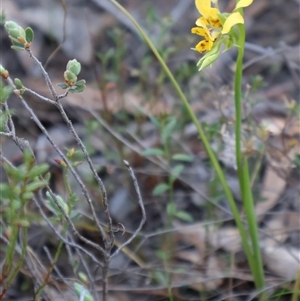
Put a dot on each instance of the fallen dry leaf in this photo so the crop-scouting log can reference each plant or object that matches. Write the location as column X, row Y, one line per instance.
column 282, row 261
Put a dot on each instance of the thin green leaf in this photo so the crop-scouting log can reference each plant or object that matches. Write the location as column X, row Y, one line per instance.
column 160, row 189
column 183, row 216
column 27, row 195
column 76, row 89
column 4, row 93
column 35, row 186
column 18, row 48
column 176, row 171
column 161, row 278
column 80, row 82
column 182, row 157
column 80, row 291
column 152, row 152
column 15, row 174
column 37, row 170
column 155, row 122
column 171, row 209
column 29, row 34
column 18, row 83
column 63, row 86
column 168, row 129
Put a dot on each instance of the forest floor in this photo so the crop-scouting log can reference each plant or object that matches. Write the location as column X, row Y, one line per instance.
column 194, row 253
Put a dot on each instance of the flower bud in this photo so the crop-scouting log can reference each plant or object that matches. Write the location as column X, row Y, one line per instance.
column 61, row 163
column 18, row 83
column 70, row 78
column 9, row 25
column 3, row 72
column 70, row 152
column 74, row 67
column 16, row 32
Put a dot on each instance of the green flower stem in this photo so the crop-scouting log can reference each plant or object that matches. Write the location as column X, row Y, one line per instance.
column 257, row 167
column 296, row 293
column 254, row 258
column 205, row 141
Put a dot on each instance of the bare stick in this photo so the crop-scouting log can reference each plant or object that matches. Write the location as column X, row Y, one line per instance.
column 46, row 76
column 108, row 242
column 140, row 200
column 76, row 176
column 71, row 244
column 46, row 99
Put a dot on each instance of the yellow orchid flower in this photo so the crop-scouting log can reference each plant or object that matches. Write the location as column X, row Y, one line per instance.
column 211, row 24
column 207, row 43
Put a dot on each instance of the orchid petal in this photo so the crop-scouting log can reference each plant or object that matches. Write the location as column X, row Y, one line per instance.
column 243, row 3
column 201, row 22
column 203, row 7
column 199, row 31
column 204, row 45
column 233, row 19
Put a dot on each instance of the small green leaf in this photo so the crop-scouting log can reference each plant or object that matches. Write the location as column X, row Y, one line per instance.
column 161, row 278
column 28, row 159
column 47, row 177
column 80, row 291
column 152, row 152
column 176, row 171
column 76, row 89
column 168, row 129
column 63, row 86
column 182, row 157
column 160, row 189
column 5, row 93
column 18, row 83
column 171, row 209
column 80, row 82
column 163, row 255
column 15, row 174
column 52, row 204
column 34, row 186
column 29, row 34
column 83, row 277
column 155, row 122
column 27, row 196
column 183, row 216
column 37, row 170
column 80, row 89
column 18, row 48
column 6, row 192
